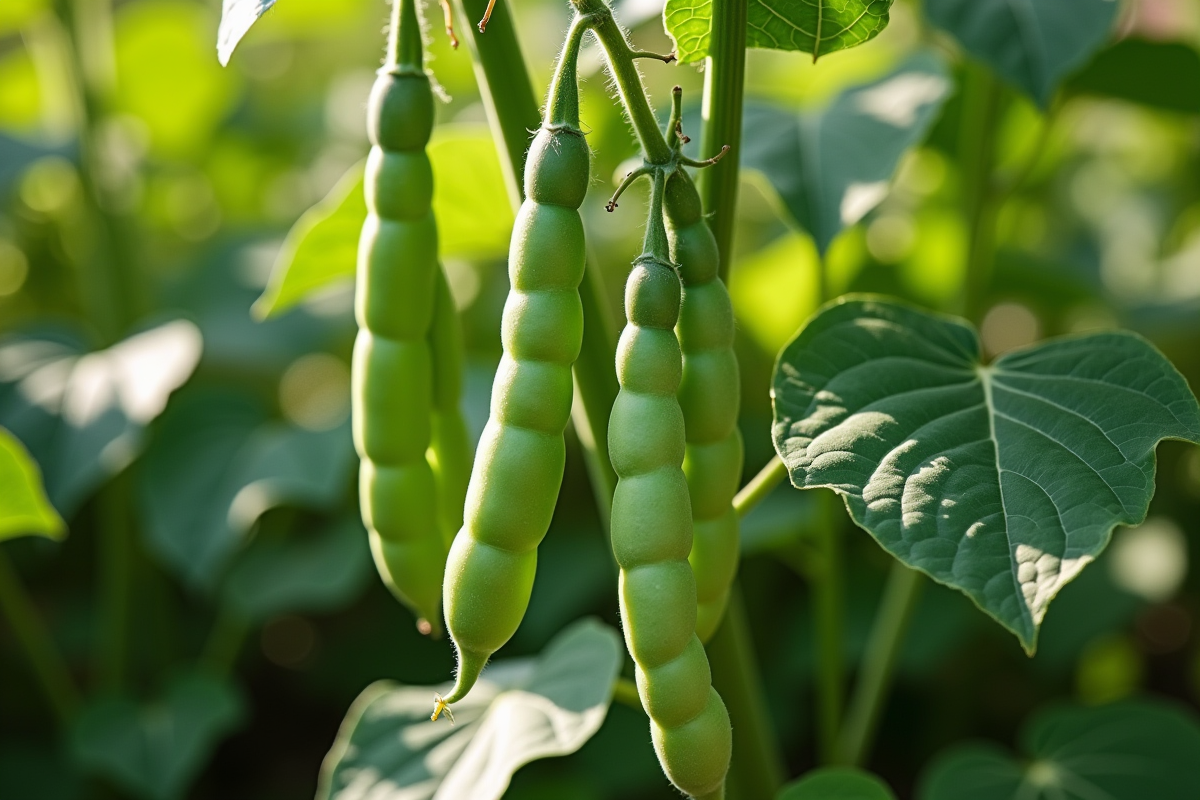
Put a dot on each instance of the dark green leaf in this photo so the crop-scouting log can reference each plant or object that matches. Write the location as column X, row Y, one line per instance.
column 81, row 414
column 155, row 751
column 520, row 711
column 834, row 165
column 24, row 509
column 1003, row 481
column 819, row 27
column 215, row 467
column 837, row 783
column 316, row 573
column 1031, row 44
column 1127, row 751
column 236, row 18
column 1162, row 75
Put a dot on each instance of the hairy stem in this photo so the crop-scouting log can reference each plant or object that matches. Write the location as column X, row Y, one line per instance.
column 621, row 59
column 879, row 662
column 760, row 486
column 758, row 769
column 46, row 661
column 724, row 78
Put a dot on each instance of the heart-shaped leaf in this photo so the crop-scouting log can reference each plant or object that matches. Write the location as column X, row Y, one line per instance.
column 311, row 573
column 1128, row 751
column 82, row 414
column 1004, row 480
column 819, row 27
column 470, row 203
column 237, row 16
column 216, row 467
column 833, row 165
column 24, row 509
column 837, row 783
column 155, row 751
column 1032, row 44
column 520, row 711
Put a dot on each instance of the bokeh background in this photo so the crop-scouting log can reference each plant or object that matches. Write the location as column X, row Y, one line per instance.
column 202, row 457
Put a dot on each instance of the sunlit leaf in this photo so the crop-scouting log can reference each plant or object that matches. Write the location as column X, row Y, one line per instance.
column 1032, row 44
column 320, row 572
column 155, row 751
column 837, row 783
column 520, row 711
column 215, row 467
column 236, row 18
column 819, row 27
column 1004, row 480
column 321, row 248
column 166, row 76
column 1126, row 751
column 82, row 414
column 1162, row 75
column 24, row 509
column 832, row 166
column 470, row 204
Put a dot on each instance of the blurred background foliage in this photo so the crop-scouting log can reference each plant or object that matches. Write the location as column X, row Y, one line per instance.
column 215, row 577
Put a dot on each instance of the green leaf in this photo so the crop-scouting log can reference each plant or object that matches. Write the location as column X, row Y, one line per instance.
column 837, row 783
column 1162, row 75
column 322, row 572
column 520, row 711
column 82, row 415
column 834, row 165
column 215, row 467
column 155, row 751
column 320, row 249
column 470, row 203
column 1031, row 44
column 167, row 76
column 237, row 16
column 24, row 508
column 819, row 27
column 1126, row 751
column 1003, row 481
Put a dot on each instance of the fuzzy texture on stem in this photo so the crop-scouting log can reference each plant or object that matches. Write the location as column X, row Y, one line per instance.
column 652, row 528
column 392, row 370
column 522, row 453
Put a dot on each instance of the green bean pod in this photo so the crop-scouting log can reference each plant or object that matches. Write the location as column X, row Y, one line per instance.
column 392, row 375
column 709, row 395
column 652, row 528
column 519, row 464
column 450, row 449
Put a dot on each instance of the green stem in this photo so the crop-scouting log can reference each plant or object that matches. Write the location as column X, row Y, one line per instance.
column 760, row 486
column 758, row 770
column 621, row 58
column 225, row 640
column 115, row 582
column 625, row 692
column 48, row 665
column 110, row 288
column 879, row 662
column 513, row 111
column 977, row 146
column 829, row 630
column 504, row 83
column 404, row 48
column 724, row 79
